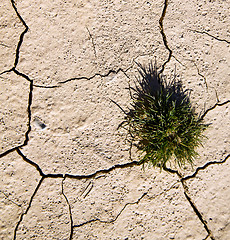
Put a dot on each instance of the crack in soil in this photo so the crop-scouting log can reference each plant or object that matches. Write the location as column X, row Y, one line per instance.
column 206, row 237
column 79, row 177
column 217, row 104
column 29, row 205
column 44, row 176
column 4, row 45
column 164, row 36
column 94, row 47
column 29, row 115
column 204, row 167
column 198, row 213
column 70, row 210
column 8, row 151
column 210, row 35
column 198, row 72
column 98, row 74
column 191, row 202
column 114, row 219
column 102, row 75
column 22, row 34
column 30, row 97
column 25, row 77
column 125, row 206
column 30, row 162
column 111, row 71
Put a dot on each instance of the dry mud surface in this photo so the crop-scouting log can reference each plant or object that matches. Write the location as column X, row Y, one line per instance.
column 66, row 172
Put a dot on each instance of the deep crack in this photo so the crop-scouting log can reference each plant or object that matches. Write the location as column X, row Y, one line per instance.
column 25, row 77
column 30, row 97
column 218, row 104
column 79, row 177
column 7, row 152
column 191, row 202
column 195, row 209
column 30, row 162
column 164, row 36
column 21, row 36
column 29, row 114
column 206, row 237
column 204, row 167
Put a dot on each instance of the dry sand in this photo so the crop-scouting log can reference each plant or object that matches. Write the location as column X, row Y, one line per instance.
column 65, row 168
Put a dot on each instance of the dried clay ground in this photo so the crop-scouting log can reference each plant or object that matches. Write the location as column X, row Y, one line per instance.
column 66, row 171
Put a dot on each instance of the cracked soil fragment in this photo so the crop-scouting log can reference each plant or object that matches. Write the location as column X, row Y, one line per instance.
column 47, row 217
column 14, row 94
column 105, row 196
column 10, row 30
column 166, row 215
column 183, row 23
column 78, row 116
column 212, row 186
column 18, row 181
column 54, row 51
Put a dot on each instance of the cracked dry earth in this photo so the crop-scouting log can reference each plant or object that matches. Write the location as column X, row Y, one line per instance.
column 66, row 171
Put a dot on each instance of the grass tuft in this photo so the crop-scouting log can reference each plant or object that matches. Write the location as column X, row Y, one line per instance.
column 161, row 120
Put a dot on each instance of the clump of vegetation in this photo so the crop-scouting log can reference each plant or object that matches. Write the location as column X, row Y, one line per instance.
column 161, row 120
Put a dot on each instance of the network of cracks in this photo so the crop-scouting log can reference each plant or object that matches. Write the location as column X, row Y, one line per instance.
column 100, row 173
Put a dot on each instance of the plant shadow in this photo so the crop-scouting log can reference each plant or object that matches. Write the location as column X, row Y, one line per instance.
column 151, row 83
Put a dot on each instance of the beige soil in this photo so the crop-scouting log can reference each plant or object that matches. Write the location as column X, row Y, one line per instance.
column 61, row 63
